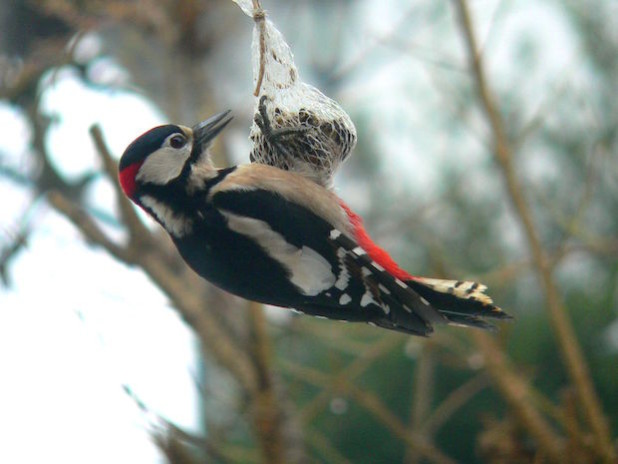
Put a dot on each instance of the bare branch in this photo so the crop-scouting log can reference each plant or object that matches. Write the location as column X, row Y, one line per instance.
column 453, row 402
column 325, row 447
column 138, row 233
column 179, row 286
column 85, row 224
column 567, row 341
column 266, row 411
column 354, row 369
column 517, row 394
column 374, row 405
column 8, row 251
column 423, row 388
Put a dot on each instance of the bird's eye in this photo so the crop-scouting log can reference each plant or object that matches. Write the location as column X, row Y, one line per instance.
column 178, row 141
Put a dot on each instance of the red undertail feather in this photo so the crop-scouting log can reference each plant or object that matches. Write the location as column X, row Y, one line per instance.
column 376, row 253
column 458, row 302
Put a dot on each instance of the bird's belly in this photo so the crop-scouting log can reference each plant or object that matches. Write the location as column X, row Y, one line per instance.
column 238, row 265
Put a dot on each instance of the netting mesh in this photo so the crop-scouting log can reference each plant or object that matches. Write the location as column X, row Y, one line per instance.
column 311, row 134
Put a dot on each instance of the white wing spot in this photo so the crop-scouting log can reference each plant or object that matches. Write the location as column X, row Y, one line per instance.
column 384, row 289
column 335, row 234
column 344, row 275
column 359, row 251
column 366, row 299
column 401, row 283
column 424, row 301
column 377, row 266
column 345, row 299
column 407, row 309
column 309, row 270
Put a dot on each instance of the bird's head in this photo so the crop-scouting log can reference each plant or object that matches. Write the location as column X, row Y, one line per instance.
column 160, row 155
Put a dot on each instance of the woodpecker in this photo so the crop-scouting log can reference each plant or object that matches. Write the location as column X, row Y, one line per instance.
column 277, row 237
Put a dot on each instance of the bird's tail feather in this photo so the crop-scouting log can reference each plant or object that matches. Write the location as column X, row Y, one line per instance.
column 460, row 302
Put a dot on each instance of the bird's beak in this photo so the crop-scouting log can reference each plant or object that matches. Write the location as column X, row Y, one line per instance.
column 205, row 132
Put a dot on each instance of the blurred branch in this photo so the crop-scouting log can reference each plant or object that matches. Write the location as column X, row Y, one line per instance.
column 15, row 243
column 372, row 404
column 325, row 447
column 180, row 287
column 517, row 394
column 354, row 369
column 329, row 335
column 176, row 443
column 265, row 409
column 453, row 402
column 14, row 175
column 86, row 225
column 575, row 437
column 251, row 365
column 422, row 398
column 138, row 233
column 567, row 341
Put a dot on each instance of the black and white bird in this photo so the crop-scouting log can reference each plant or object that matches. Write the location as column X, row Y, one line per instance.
column 276, row 237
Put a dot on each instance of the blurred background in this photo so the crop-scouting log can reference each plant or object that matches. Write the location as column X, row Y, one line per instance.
column 487, row 150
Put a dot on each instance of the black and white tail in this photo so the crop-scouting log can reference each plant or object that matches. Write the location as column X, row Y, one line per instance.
column 460, row 302
column 413, row 304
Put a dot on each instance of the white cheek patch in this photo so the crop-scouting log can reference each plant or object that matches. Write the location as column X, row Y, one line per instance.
column 163, row 165
column 309, row 270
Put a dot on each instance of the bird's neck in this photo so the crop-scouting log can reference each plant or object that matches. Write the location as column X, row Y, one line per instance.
column 176, row 204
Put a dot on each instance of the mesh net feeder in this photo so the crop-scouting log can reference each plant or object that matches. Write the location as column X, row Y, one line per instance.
column 296, row 127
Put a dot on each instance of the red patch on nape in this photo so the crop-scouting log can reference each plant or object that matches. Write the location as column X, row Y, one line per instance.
column 127, row 179
column 376, row 253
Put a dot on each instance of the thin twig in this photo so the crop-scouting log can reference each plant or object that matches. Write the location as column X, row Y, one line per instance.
column 324, row 446
column 423, row 388
column 266, row 410
column 453, row 402
column 82, row 221
column 179, row 286
column 567, row 341
column 517, row 394
column 354, row 369
column 374, row 405
column 138, row 232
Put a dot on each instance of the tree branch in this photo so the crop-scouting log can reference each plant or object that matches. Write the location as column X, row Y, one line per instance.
column 354, row 369
column 517, row 394
column 266, row 410
column 567, row 341
column 138, row 233
column 374, row 405
column 86, row 225
column 423, row 384
column 453, row 402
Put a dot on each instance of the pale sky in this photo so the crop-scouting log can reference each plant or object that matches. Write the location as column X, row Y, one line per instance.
column 76, row 325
